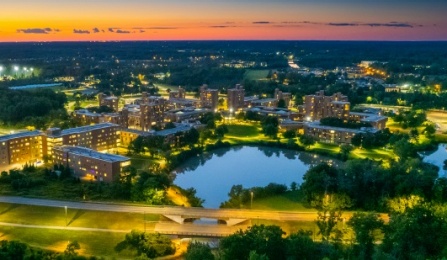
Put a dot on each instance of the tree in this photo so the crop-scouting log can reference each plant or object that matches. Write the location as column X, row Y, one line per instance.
column 264, row 240
column 12, row 250
column 365, row 227
column 289, row 134
column 300, row 246
column 270, row 126
column 281, row 103
column 319, row 181
column 150, row 245
column 418, row 233
column 71, row 249
column 307, row 140
column 198, row 251
column 221, row 131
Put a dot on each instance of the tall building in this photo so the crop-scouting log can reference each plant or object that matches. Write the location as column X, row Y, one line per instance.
column 179, row 94
column 100, row 137
column 152, row 113
column 235, row 98
column 90, row 164
column 21, row 148
column 320, row 106
column 108, row 101
column 286, row 96
column 209, row 98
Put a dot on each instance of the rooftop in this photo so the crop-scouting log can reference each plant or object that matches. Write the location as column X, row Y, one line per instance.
column 338, row 129
column 88, row 128
column 4, row 138
column 92, row 153
column 178, row 129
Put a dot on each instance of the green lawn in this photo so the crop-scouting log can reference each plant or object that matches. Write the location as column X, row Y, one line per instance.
column 324, row 148
column 375, row 154
column 256, row 74
column 242, row 130
column 92, row 242
column 289, row 201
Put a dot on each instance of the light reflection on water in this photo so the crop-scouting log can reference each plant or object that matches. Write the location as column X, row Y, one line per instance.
column 437, row 158
column 213, row 174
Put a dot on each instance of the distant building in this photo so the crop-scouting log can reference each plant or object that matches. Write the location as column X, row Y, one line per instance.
column 21, row 148
column 152, row 113
column 186, row 114
column 108, row 101
column 179, row 94
column 89, row 164
column 286, row 96
column 209, row 98
column 235, row 98
column 85, row 117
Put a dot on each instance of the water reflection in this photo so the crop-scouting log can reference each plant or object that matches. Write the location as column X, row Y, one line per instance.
column 437, row 158
column 213, row 174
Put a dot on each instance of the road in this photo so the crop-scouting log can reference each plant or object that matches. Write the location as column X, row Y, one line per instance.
column 223, row 214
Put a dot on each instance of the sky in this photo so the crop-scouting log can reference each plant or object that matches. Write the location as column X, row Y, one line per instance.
column 110, row 20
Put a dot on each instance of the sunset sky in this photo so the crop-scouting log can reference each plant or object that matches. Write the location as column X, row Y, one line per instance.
column 88, row 20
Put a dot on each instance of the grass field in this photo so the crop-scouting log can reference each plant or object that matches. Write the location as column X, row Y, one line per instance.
column 92, row 242
column 256, row 74
column 289, row 201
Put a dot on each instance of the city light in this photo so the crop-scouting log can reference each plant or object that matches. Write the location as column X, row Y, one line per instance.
column 16, row 68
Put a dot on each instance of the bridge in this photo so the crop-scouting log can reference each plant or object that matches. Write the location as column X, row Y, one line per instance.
column 180, row 215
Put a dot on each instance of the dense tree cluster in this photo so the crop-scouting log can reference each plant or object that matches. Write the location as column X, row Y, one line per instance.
column 147, row 244
column 239, row 197
column 39, row 108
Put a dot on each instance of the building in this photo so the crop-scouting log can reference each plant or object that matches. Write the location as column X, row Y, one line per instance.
column 179, row 94
column 320, row 106
column 330, row 134
column 152, row 113
column 21, row 148
column 129, row 135
column 235, row 98
column 89, row 164
column 376, row 121
column 286, row 96
column 85, row 117
column 99, row 137
column 108, row 101
column 209, row 98
column 185, row 114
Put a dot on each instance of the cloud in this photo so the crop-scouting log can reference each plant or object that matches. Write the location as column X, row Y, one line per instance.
column 261, row 22
column 390, row 24
column 81, row 31
column 221, row 26
column 121, row 31
column 37, row 30
column 95, row 30
column 343, row 24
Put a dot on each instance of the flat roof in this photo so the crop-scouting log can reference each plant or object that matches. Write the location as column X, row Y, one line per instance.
column 4, row 138
column 180, row 128
column 135, row 131
column 92, row 153
column 87, row 128
column 339, row 129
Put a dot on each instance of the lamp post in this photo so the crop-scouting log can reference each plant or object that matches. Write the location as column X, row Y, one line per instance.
column 251, row 201
column 66, row 223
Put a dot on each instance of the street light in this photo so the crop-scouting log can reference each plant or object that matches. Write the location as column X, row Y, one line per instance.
column 66, row 223
column 251, row 201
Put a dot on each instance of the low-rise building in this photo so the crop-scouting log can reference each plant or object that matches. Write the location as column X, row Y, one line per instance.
column 100, row 137
column 24, row 147
column 89, row 164
column 330, row 134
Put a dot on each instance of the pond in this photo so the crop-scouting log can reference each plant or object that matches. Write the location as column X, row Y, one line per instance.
column 437, row 158
column 214, row 173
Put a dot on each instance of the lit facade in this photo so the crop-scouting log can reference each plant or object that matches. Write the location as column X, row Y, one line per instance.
column 21, row 148
column 89, row 164
column 235, row 98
